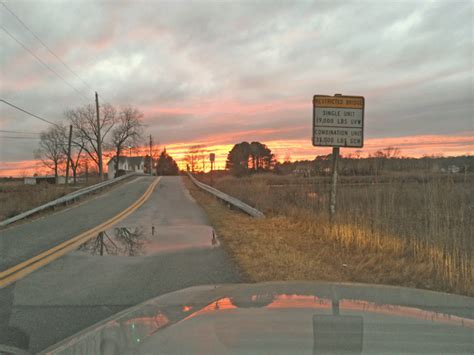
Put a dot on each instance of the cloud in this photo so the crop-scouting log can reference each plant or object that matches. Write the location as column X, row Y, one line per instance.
column 219, row 70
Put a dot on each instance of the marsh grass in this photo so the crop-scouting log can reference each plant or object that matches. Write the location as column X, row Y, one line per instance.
column 415, row 232
column 16, row 197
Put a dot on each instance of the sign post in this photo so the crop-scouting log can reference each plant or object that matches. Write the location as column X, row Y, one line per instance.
column 212, row 158
column 332, row 206
column 338, row 121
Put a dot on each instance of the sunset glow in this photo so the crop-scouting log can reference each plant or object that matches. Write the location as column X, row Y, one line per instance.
column 285, row 301
column 312, row 302
column 295, row 149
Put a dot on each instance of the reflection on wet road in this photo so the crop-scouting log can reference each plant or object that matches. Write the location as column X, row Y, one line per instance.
column 169, row 221
column 135, row 241
column 165, row 245
column 119, row 241
column 286, row 318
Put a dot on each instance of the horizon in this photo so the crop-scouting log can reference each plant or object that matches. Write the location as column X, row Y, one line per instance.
column 179, row 151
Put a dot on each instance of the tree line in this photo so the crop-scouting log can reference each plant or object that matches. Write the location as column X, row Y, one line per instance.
column 247, row 158
column 387, row 160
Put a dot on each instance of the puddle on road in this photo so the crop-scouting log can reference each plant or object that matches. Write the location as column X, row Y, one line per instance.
column 119, row 241
column 140, row 241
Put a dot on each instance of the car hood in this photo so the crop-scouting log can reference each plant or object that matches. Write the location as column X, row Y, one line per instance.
column 285, row 317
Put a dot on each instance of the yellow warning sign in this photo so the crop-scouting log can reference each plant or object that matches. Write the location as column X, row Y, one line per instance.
column 338, row 101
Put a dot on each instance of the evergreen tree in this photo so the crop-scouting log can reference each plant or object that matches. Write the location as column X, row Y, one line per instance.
column 166, row 165
column 245, row 158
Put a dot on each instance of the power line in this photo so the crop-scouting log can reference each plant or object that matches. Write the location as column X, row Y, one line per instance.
column 29, row 113
column 44, row 44
column 42, row 62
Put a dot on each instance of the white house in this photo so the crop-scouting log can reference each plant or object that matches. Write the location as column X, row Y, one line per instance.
column 303, row 171
column 454, row 169
column 126, row 165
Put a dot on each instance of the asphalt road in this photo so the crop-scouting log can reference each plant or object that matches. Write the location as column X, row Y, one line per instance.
column 25, row 240
column 165, row 245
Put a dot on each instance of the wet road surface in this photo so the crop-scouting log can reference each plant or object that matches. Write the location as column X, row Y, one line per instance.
column 28, row 239
column 166, row 245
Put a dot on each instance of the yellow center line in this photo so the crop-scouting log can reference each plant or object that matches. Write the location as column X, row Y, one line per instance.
column 22, row 269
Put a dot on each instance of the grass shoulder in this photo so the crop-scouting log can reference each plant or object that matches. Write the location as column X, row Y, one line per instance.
column 302, row 246
column 16, row 197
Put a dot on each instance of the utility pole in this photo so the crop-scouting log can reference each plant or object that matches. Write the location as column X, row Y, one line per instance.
column 212, row 168
column 212, row 158
column 151, row 159
column 68, row 154
column 87, row 171
column 99, row 138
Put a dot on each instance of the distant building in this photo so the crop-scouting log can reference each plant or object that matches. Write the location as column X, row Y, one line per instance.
column 126, row 165
column 454, row 169
column 48, row 179
column 302, row 171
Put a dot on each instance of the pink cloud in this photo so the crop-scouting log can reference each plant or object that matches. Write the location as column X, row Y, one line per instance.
column 217, row 106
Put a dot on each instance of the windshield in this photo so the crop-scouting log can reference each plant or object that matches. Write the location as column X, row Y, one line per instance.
column 149, row 147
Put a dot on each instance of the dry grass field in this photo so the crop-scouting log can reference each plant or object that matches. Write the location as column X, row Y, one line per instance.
column 16, row 197
column 400, row 230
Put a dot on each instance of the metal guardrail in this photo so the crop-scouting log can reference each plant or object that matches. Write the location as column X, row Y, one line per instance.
column 229, row 199
column 69, row 197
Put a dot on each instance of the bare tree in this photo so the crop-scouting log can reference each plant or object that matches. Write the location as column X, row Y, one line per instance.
column 127, row 131
column 77, row 149
column 156, row 151
column 78, row 144
column 84, row 122
column 51, row 148
column 392, row 152
column 203, row 157
column 196, row 154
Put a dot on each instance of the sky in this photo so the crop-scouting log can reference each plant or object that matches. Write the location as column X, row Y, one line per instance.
column 221, row 72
